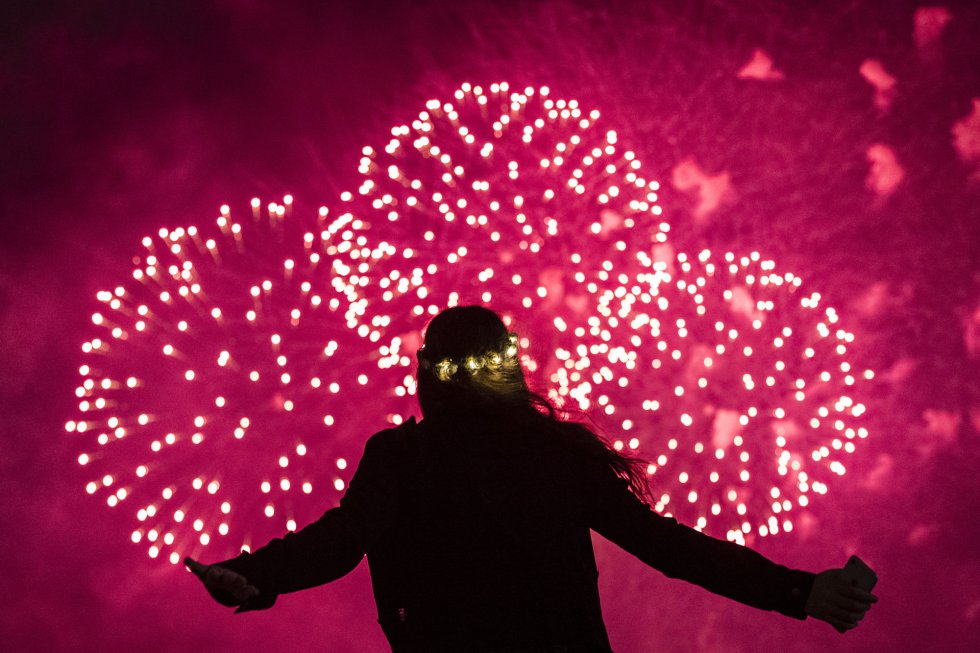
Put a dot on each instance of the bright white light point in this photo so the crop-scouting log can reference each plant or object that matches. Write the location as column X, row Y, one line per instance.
column 307, row 487
column 341, row 463
column 291, row 525
column 283, row 461
column 270, row 510
column 301, row 449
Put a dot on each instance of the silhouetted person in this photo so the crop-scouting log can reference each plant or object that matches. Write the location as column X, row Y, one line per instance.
column 476, row 520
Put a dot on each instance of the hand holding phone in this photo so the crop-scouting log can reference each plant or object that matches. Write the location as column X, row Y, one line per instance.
column 841, row 597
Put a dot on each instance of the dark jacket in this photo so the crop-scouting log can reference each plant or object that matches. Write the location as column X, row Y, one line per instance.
column 477, row 535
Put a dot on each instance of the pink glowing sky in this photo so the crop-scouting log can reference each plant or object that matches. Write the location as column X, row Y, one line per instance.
column 842, row 141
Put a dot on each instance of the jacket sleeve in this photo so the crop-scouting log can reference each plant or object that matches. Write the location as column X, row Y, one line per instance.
column 678, row 551
column 334, row 544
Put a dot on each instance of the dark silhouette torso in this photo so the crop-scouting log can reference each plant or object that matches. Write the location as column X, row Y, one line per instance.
column 477, row 533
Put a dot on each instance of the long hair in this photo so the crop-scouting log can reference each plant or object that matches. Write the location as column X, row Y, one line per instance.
column 469, row 364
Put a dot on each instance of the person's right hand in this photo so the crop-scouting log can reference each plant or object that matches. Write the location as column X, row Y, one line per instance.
column 224, row 585
column 835, row 600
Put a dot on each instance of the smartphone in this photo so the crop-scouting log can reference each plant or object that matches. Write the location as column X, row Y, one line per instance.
column 860, row 574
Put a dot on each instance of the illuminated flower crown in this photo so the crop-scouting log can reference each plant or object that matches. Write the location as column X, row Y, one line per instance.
column 491, row 360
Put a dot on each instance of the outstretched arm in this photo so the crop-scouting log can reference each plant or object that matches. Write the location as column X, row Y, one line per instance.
column 321, row 552
column 722, row 567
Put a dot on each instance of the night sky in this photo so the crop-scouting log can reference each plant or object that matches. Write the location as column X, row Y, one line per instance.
column 840, row 139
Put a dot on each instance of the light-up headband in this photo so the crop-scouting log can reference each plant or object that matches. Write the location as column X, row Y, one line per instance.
column 446, row 368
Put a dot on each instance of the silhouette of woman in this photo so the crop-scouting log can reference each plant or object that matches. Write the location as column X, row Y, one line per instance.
column 476, row 520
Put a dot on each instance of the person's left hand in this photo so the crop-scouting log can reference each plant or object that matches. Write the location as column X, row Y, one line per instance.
column 835, row 600
column 224, row 585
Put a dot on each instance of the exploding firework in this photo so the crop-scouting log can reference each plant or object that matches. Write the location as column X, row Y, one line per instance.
column 735, row 385
column 732, row 379
column 505, row 197
column 215, row 400
column 217, row 394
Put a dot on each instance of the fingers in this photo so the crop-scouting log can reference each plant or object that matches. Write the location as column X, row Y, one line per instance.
column 856, row 601
column 245, row 593
column 852, row 605
column 841, row 619
column 225, row 578
column 858, row 594
column 841, row 624
column 230, row 582
column 848, row 592
column 221, row 580
column 846, row 616
column 196, row 567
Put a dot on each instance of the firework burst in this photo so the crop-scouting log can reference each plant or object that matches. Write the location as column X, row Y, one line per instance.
column 730, row 377
column 505, row 197
column 216, row 399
